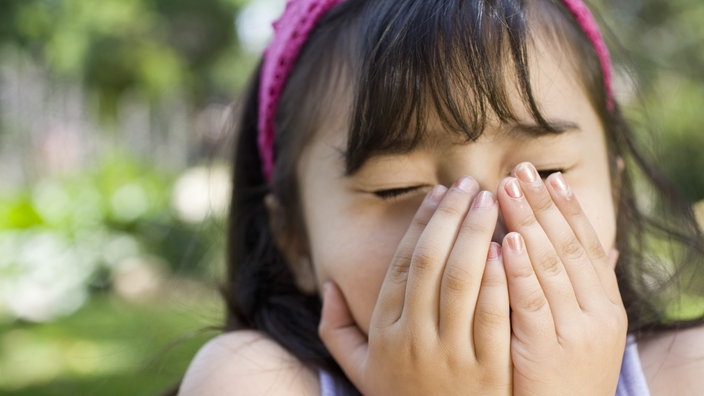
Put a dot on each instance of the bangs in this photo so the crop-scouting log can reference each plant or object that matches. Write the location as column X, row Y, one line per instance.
column 455, row 61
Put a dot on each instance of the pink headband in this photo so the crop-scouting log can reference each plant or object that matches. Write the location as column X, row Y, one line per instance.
column 291, row 32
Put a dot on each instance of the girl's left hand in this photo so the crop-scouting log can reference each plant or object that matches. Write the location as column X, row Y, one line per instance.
column 568, row 321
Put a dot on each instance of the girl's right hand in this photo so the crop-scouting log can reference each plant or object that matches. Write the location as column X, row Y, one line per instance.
column 441, row 323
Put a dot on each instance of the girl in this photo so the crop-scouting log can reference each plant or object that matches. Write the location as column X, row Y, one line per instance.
column 532, row 273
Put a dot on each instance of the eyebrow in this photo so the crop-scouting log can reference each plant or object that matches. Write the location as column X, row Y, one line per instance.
column 517, row 130
column 529, row 130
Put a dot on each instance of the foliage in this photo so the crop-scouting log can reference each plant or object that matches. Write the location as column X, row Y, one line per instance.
column 65, row 240
column 65, row 236
column 155, row 47
column 109, row 347
column 663, row 45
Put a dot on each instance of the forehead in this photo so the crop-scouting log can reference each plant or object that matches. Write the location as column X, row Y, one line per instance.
column 560, row 97
column 457, row 76
column 556, row 89
column 391, row 87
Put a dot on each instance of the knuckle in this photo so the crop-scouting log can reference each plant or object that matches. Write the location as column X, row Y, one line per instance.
column 595, row 251
column 471, row 226
column 571, row 208
column 493, row 378
column 543, row 203
column 527, row 221
column 450, row 210
column 490, row 318
column 611, row 326
column 421, row 220
column 493, row 280
column 456, row 279
column 574, row 333
column 416, row 349
column 619, row 319
column 454, row 360
column 399, row 269
column 424, row 258
column 534, row 302
column 606, row 323
column 571, row 249
column 522, row 271
column 550, row 265
column 402, row 258
column 584, row 338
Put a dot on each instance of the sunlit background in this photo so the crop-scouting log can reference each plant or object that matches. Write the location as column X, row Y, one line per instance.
column 114, row 175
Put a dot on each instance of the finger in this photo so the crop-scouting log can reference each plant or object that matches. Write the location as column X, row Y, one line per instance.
column 463, row 271
column 579, row 267
column 338, row 331
column 430, row 255
column 570, row 208
column 492, row 319
column 391, row 295
column 546, row 263
column 531, row 319
column 613, row 258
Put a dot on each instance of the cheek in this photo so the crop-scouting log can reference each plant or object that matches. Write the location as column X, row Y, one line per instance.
column 358, row 271
column 355, row 252
column 599, row 208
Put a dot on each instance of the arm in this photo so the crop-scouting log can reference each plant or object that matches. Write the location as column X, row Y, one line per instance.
column 246, row 363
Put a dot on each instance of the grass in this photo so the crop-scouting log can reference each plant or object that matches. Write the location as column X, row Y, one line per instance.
column 109, row 347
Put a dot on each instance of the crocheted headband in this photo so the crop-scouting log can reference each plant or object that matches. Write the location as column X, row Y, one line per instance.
column 295, row 25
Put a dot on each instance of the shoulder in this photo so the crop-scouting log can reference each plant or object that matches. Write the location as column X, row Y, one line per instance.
column 246, row 363
column 673, row 362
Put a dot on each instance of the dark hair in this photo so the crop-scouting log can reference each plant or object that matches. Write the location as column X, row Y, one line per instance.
column 395, row 62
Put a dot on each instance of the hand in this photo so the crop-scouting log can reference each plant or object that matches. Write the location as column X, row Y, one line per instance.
column 441, row 323
column 568, row 321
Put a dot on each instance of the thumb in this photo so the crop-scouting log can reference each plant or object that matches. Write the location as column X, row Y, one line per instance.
column 340, row 334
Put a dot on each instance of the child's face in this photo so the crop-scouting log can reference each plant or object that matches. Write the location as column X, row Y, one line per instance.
column 353, row 233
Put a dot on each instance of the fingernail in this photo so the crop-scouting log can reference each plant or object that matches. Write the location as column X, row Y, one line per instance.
column 436, row 194
column 515, row 242
column 494, row 251
column 464, row 183
column 559, row 184
column 526, row 172
column 513, row 189
column 484, row 199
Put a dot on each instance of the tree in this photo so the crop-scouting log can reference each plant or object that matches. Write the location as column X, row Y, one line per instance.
column 157, row 47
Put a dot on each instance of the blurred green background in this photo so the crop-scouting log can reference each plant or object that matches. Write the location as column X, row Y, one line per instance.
column 114, row 179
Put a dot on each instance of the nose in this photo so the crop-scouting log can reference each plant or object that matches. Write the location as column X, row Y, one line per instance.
column 489, row 181
column 492, row 183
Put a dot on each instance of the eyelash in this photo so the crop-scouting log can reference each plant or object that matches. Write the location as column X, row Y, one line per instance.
column 397, row 192
column 547, row 172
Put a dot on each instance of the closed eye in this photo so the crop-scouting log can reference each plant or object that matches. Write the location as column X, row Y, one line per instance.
column 547, row 172
column 392, row 193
